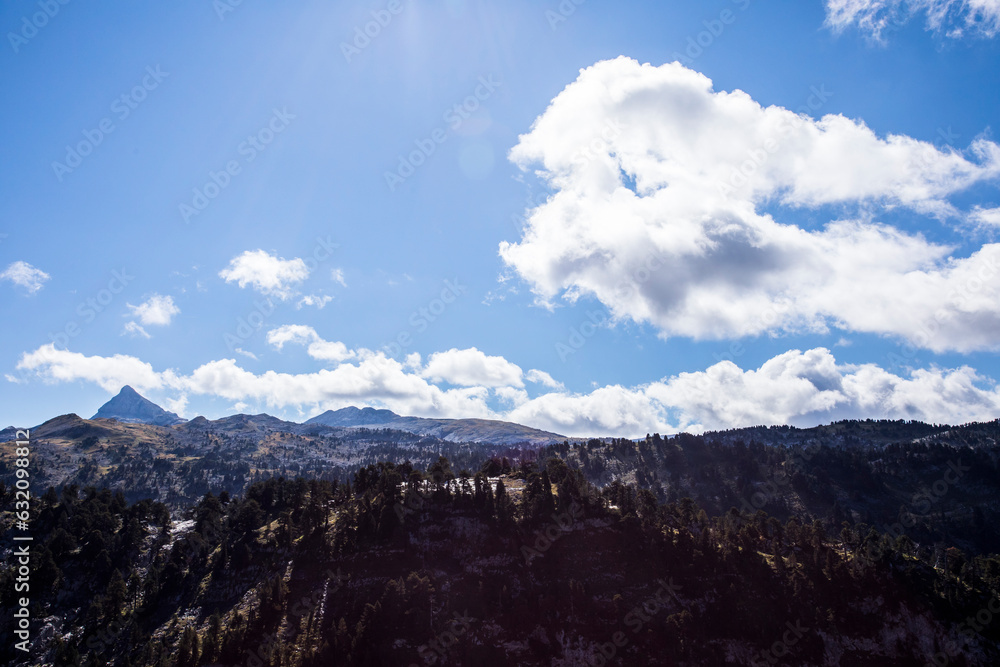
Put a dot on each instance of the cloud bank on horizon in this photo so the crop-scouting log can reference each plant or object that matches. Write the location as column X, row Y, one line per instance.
column 796, row 387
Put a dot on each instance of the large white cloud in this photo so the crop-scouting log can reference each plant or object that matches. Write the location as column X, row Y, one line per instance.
column 800, row 388
column 658, row 188
column 110, row 373
column 954, row 17
column 268, row 274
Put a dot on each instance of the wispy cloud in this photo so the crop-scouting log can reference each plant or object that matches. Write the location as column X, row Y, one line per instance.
column 135, row 330
column 541, row 377
column 954, row 18
column 25, row 275
column 986, row 218
column 315, row 300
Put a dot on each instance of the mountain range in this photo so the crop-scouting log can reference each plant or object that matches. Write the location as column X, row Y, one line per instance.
column 130, row 407
column 455, row 430
column 874, row 539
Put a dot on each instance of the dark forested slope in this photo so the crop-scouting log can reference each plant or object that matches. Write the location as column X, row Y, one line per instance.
column 527, row 565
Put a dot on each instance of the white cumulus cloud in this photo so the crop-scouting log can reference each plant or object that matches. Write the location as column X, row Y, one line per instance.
column 110, row 373
column 660, row 215
column 158, row 310
column 266, row 273
column 471, row 367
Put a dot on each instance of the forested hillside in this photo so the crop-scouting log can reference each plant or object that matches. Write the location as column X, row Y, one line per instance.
column 936, row 484
column 518, row 563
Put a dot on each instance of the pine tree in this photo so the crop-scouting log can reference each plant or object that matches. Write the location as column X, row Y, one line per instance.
column 117, row 594
column 502, row 503
column 213, row 639
column 187, row 648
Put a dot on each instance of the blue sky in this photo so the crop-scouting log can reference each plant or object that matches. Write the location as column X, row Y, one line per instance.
column 269, row 199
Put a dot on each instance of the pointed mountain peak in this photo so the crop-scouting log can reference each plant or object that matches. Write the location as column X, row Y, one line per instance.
column 130, row 406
